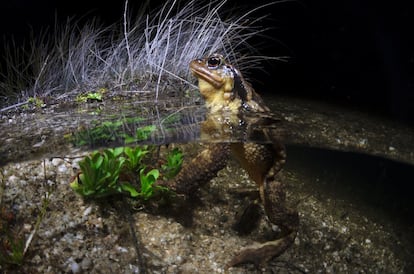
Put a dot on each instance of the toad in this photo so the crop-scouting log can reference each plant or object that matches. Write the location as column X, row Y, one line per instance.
column 226, row 95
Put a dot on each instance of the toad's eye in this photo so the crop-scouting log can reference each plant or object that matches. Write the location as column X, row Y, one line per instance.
column 213, row 62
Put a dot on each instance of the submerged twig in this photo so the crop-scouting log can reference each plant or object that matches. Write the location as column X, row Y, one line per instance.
column 45, row 204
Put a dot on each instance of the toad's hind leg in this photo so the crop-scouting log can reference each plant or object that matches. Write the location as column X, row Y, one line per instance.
column 261, row 161
column 287, row 220
column 273, row 197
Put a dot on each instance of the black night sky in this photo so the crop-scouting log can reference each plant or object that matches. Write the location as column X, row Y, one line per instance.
column 354, row 53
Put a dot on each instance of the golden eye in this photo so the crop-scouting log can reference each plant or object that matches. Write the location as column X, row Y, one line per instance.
column 213, row 62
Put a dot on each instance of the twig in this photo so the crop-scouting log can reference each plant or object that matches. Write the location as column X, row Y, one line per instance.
column 135, row 238
column 126, row 36
column 163, row 63
column 2, row 186
column 40, row 73
column 45, row 204
column 14, row 106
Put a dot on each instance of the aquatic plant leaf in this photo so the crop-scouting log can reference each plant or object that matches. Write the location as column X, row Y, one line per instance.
column 135, row 156
column 127, row 187
column 147, row 180
column 174, row 163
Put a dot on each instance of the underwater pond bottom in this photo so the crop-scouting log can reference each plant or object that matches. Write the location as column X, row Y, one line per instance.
column 354, row 217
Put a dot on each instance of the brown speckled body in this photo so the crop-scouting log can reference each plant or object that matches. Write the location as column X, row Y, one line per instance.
column 201, row 169
column 226, row 94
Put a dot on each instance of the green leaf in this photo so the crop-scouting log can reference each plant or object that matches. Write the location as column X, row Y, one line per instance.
column 174, row 163
column 75, row 185
column 96, row 160
column 127, row 187
column 128, row 139
column 143, row 133
column 154, row 173
column 100, row 172
column 118, row 151
column 147, row 180
column 135, row 156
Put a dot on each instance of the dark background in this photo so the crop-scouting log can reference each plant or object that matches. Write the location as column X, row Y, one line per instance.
column 355, row 53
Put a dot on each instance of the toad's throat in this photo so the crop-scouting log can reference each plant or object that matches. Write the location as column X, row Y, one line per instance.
column 215, row 80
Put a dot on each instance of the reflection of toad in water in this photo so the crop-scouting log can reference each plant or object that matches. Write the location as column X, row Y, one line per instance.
column 226, row 95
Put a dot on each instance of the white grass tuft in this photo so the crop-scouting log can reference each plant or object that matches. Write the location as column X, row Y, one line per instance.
column 145, row 52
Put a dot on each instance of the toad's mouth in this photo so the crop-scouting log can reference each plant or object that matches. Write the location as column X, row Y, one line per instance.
column 199, row 71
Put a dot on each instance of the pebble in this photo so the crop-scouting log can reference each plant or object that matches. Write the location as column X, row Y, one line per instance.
column 336, row 256
column 134, row 269
column 179, row 259
column 87, row 211
column 121, row 249
column 74, row 267
column 188, row 268
column 13, row 179
column 37, row 259
column 86, row 263
column 27, row 227
column 62, row 168
column 57, row 161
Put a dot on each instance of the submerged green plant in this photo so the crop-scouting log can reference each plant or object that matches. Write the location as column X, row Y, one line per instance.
column 100, row 174
column 134, row 157
column 12, row 250
column 173, row 165
column 141, row 134
column 147, row 181
column 103, row 133
column 11, row 243
column 115, row 171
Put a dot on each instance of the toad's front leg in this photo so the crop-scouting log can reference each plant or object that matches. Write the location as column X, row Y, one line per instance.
column 201, row 169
